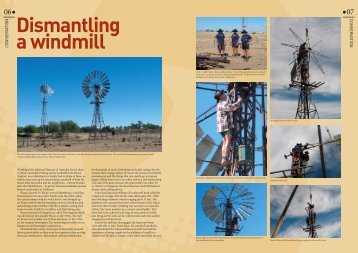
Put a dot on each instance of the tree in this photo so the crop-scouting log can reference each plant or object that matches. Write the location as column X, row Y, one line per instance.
column 20, row 130
column 30, row 129
column 54, row 127
column 69, row 126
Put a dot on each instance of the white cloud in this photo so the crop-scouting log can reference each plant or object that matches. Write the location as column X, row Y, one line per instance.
column 295, row 230
column 325, row 199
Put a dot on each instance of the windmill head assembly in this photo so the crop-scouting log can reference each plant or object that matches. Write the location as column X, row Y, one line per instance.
column 228, row 207
column 300, row 75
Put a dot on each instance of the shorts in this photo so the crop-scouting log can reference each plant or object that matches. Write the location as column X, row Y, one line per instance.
column 221, row 47
column 235, row 46
column 224, row 133
column 245, row 46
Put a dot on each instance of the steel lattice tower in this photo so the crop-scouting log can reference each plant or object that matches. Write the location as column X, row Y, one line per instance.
column 97, row 121
column 244, row 133
column 45, row 91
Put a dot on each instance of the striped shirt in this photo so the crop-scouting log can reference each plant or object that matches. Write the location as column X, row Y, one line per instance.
column 224, row 115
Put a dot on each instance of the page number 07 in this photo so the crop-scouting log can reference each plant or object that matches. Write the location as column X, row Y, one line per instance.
column 348, row 11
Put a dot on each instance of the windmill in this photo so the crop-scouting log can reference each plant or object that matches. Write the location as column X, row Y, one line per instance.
column 243, row 24
column 45, row 91
column 227, row 206
column 243, row 147
column 311, row 220
column 96, row 85
column 300, row 75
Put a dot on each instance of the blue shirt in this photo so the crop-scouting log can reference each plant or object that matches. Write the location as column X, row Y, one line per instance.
column 245, row 38
column 220, row 37
column 235, row 39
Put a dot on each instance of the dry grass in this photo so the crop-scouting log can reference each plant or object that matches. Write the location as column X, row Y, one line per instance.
column 73, row 142
column 258, row 50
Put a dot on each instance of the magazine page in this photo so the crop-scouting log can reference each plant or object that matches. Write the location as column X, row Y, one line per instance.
column 177, row 126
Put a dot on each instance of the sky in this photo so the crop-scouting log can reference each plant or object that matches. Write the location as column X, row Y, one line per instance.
column 255, row 225
column 205, row 100
column 326, row 32
column 327, row 201
column 254, row 24
column 135, row 89
column 284, row 138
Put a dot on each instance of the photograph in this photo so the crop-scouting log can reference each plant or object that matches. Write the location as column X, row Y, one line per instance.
column 231, row 129
column 305, row 211
column 231, row 43
column 305, row 151
column 305, row 68
column 224, row 209
column 89, row 104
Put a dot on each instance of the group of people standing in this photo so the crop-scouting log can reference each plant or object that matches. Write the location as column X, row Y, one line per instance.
column 235, row 43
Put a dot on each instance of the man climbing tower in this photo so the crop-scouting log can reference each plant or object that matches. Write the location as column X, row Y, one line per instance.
column 225, row 124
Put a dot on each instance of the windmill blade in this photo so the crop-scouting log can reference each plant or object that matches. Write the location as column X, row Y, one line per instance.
column 247, row 206
column 199, row 132
column 317, row 43
column 296, row 36
column 214, row 167
column 319, row 54
column 289, row 45
column 317, row 63
column 209, row 206
column 203, row 149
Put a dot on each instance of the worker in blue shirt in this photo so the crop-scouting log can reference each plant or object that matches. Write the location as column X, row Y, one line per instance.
column 220, row 38
column 235, row 43
column 246, row 39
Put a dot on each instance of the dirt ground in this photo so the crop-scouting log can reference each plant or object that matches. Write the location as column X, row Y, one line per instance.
column 258, row 50
column 135, row 142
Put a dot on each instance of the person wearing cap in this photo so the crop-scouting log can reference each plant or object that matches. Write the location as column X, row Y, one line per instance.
column 246, row 39
column 235, row 43
column 224, row 123
column 220, row 38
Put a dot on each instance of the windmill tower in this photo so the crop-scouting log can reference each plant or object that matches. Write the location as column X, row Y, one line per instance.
column 96, row 85
column 45, row 91
column 300, row 76
column 228, row 206
column 243, row 24
column 311, row 220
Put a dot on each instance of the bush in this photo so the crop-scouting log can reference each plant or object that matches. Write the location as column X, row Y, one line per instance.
column 69, row 126
column 30, row 129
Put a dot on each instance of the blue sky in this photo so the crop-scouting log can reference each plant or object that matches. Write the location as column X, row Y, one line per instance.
column 327, row 201
column 254, row 24
column 204, row 100
column 255, row 225
column 135, row 93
